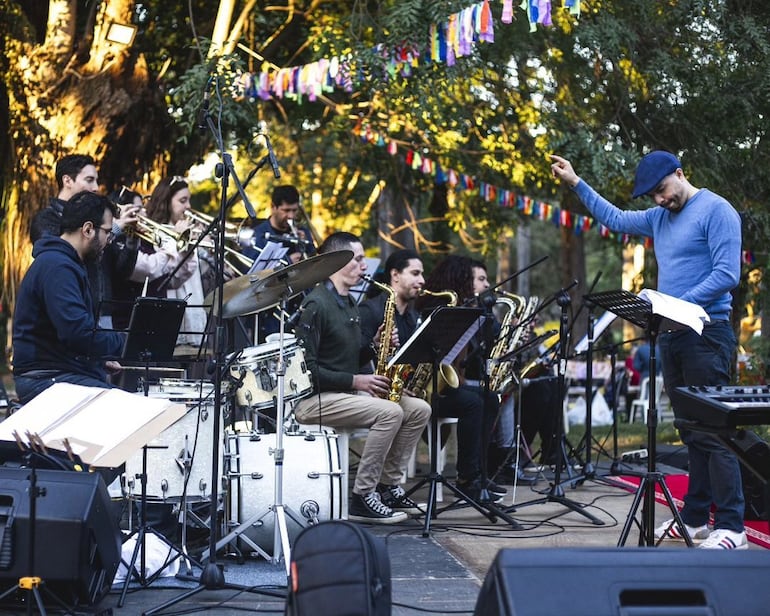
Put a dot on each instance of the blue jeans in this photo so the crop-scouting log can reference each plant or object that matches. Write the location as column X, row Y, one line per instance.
column 28, row 387
column 715, row 474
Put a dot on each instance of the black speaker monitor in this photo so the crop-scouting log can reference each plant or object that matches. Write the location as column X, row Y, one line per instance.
column 77, row 538
column 625, row 582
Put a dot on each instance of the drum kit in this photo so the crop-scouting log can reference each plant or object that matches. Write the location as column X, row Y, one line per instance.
column 261, row 378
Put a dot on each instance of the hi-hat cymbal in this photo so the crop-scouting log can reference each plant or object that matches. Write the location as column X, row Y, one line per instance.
column 254, row 292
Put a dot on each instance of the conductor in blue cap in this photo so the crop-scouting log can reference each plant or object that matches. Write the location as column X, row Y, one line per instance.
column 697, row 239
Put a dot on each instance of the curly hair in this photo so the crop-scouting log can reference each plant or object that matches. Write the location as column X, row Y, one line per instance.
column 453, row 273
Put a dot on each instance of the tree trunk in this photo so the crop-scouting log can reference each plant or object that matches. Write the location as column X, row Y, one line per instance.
column 95, row 98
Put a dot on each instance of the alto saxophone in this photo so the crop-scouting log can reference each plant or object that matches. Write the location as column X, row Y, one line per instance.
column 395, row 373
column 420, row 382
column 513, row 325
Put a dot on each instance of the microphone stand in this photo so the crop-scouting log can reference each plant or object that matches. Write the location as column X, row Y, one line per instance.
column 212, row 575
column 556, row 492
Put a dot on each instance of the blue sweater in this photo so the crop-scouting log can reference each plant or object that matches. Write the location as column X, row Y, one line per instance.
column 698, row 249
column 53, row 324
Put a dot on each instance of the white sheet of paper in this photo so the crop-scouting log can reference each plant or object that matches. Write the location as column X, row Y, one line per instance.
column 103, row 426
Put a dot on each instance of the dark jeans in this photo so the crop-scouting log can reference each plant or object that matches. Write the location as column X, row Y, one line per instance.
column 474, row 425
column 27, row 387
column 715, row 474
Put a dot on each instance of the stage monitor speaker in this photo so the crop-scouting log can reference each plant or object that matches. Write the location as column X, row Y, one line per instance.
column 77, row 538
column 625, row 582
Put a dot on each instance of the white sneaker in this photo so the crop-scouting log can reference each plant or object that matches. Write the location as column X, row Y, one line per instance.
column 723, row 539
column 670, row 530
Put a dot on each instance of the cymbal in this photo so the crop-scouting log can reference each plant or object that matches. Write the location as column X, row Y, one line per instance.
column 254, row 292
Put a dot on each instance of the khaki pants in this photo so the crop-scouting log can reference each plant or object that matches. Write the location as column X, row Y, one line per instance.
column 394, row 429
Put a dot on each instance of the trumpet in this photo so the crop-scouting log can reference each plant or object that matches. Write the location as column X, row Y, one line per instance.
column 235, row 233
column 154, row 233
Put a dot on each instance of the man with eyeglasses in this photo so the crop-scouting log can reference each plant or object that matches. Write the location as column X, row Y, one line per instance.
column 55, row 335
column 697, row 239
column 76, row 173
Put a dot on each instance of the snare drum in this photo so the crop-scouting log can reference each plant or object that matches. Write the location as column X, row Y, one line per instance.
column 256, row 369
column 185, row 444
column 312, row 481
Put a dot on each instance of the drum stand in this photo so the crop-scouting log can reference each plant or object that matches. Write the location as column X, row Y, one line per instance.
column 278, row 509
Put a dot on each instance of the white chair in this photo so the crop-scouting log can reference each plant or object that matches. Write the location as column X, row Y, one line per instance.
column 642, row 403
column 441, row 461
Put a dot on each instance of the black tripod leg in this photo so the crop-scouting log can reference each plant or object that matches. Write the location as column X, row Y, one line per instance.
column 131, row 567
column 175, row 600
column 632, row 512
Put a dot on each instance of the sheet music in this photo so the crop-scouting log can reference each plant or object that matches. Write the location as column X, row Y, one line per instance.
column 453, row 352
column 272, row 256
column 463, row 341
column 599, row 328
column 103, row 426
column 675, row 312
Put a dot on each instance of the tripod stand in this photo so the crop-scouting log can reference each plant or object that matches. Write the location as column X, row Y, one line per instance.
column 278, row 509
column 639, row 312
column 444, row 333
column 556, row 492
column 32, row 584
column 152, row 332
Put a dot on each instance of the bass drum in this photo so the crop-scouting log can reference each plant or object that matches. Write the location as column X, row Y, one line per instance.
column 183, row 449
column 312, row 481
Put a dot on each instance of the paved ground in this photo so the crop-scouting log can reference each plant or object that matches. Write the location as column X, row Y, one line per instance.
column 441, row 573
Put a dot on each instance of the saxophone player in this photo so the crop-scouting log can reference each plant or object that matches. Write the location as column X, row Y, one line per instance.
column 345, row 397
column 475, row 417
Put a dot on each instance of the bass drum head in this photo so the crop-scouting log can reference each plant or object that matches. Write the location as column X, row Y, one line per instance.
column 312, row 482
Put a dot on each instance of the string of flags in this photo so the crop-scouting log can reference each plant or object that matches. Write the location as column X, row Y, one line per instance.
column 449, row 40
column 502, row 197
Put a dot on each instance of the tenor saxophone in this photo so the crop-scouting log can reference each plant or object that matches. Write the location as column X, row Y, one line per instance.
column 420, row 382
column 396, row 372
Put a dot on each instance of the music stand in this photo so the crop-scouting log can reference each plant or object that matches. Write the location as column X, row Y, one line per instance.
column 152, row 333
column 639, row 311
column 439, row 335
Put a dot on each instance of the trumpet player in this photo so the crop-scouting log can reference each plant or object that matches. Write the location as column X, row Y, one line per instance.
column 280, row 227
column 169, row 202
column 77, row 173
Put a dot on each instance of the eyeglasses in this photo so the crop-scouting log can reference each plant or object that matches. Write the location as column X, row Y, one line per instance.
column 175, row 179
column 110, row 233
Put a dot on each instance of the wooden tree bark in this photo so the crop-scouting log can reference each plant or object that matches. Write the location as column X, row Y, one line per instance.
column 72, row 91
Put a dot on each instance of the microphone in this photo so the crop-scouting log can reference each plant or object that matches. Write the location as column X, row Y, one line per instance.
column 204, row 110
column 286, row 240
column 293, row 320
column 271, row 157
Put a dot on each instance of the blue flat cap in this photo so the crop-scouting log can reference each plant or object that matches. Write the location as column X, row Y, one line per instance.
column 652, row 169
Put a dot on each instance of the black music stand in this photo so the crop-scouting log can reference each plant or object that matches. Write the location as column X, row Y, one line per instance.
column 639, row 312
column 556, row 492
column 152, row 334
column 438, row 335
